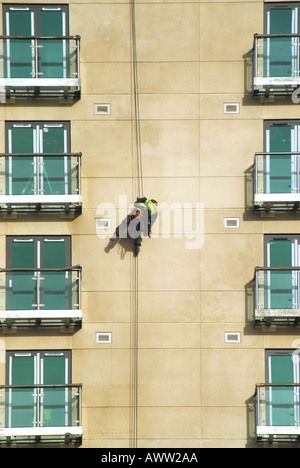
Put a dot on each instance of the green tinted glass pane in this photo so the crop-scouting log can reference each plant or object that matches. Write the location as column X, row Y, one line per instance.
column 22, row 370
column 54, row 175
column 280, row 48
column 280, row 253
column 55, row 170
column 21, row 177
column 22, row 408
column 55, row 400
column 281, row 289
column 20, row 285
column 53, row 139
column 281, row 398
column 52, row 61
column 54, row 369
column 281, row 21
column 57, row 285
column 19, row 52
column 19, row 22
column 280, row 166
column 54, row 253
column 52, row 52
column 22, row 139
column 282, row 369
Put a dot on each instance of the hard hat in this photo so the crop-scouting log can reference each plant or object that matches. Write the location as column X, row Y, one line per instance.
column 154, row 200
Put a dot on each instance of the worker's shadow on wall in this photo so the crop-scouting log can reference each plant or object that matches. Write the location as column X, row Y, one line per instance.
column 121, row 240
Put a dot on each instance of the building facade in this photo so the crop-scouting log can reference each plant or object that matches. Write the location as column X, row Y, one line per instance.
column 192, row 343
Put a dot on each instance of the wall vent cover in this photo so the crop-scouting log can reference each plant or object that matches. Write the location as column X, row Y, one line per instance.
column 102, row 109
column 231, row 108
column 103, row 223
column 231, row 223
column 103, row 337
column 232, row 337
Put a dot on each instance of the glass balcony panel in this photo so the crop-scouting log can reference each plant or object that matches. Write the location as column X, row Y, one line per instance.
column 277, row 293
column 40, row 63
column 278, row 410
column 56, row 176
column 21, row 409
column 56, row 407
column 48, row 295
column 276, row 63
column 21, row 176
column 21, row 290
column 46, row 411
column 54, row 58
column 277, row 179
column 56, row 290
column 51, row 290
column 52, row 179
column 19, row 58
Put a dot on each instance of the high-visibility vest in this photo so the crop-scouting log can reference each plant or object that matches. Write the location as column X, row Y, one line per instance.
column 151, row 207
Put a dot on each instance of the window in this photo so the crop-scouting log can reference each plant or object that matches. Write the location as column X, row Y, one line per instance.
column 40, row 287
column 33, row 289
column 277, row 283
column 36, row 407
column 25, row 58
column 39, row 58
column 47, row 175
column 282, row 18
column 277, row 170
column 276, row 52
column 277, row 400
column 39, row 402
column 283, row 367
column 40, row 171
column 282, row 253
column 282, row 173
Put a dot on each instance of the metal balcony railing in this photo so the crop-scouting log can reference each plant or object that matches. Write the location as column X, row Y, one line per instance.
column 40, row 65
column 44, row 413
column 50, row 182
column 277, row 294
column 278, row 411
column 46, row 296
column 276, row 63
column 277, row 180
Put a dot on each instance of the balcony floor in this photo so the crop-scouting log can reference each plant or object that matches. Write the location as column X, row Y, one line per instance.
column 52, row 435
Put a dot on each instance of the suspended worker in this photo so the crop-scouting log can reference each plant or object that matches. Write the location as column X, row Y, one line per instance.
column 140, row 221
column 145, row 213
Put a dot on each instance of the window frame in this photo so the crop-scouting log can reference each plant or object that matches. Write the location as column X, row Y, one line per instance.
column 36, row 238
column 36, row 10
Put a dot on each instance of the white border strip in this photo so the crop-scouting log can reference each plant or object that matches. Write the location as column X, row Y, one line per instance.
column 40, row 431
column 277, row 430
column 48, row 82
column 41, row 314
column 279, row 81
column 26, row 199
column 284, row 313
column 277, row 197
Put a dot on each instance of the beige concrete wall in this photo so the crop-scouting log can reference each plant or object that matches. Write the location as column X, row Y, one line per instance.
column 192, row 386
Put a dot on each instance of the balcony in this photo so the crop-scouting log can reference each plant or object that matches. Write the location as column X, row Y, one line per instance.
column 40, row 182
column 278, row 412
column 277, row 181
column 40, row 414
column 39, row 66
column 276, row 64
column 40, row 297
column 277, row 295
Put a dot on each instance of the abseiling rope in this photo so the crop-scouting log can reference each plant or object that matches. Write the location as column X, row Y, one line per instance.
column 136, row 103
column 134, row 362
column 134, row 338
